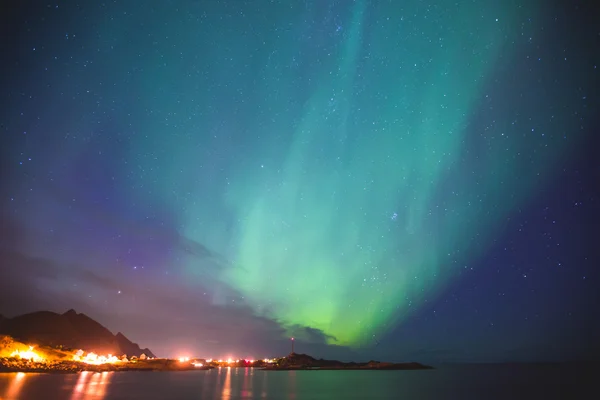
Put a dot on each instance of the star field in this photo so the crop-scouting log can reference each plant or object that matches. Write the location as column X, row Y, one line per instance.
column 381, row 178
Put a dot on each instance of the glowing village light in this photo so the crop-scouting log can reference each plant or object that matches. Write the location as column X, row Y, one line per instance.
column 95, row 359
column 27, row 355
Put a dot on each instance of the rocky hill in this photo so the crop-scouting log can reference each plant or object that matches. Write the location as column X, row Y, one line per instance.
column 69, row 330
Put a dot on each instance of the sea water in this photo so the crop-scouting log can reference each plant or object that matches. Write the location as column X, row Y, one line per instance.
column 446, row 382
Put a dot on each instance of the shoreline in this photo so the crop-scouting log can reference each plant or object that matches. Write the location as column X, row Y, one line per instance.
column 105, row 368
column 61, row 363
column 58, row 372
column 95, row 370
column 74, row 367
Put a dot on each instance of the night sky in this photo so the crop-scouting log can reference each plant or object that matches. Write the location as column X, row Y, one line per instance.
column 398, row 180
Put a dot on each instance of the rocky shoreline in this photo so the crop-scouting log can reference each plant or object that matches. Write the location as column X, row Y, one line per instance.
column 73, row 367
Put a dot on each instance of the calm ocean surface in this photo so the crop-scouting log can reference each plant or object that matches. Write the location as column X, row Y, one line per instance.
column 448, row 382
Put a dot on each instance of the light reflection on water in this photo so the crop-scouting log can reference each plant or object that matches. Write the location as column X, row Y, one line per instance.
column 222, row 383
column 88, row 386
column 470, row 382
column 15, row 386
column 292, row 385
column 91, row 385
column 246, row 385
column 226, row 393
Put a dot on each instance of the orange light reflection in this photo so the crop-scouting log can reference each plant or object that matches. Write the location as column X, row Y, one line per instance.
column 226, row 393
column 105, row 378
column 80, row 386
column 15, row 387
column 91, row 385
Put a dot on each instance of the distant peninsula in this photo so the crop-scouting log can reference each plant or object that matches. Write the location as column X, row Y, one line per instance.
column 72, row 342
column 296, row 361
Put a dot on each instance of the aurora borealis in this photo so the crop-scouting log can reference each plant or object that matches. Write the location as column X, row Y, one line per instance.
column 330, row 171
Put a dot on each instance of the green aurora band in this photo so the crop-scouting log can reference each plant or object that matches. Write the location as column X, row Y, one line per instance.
column 345, row 242
column 370, row 208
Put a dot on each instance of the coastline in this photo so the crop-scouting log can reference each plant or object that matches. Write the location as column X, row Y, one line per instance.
column 23, row 358
column 173, row 366
column 74, row 367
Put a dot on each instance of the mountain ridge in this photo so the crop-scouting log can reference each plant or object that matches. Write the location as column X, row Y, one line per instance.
column 69, row 330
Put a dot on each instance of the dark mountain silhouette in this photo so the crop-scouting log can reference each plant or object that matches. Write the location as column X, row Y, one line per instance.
column 69, row 330
column 130, row 348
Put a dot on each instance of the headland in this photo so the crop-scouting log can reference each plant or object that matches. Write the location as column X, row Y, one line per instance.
column 296, row 361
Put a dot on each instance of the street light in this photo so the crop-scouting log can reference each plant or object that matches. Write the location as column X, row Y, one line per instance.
column 292, row 345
